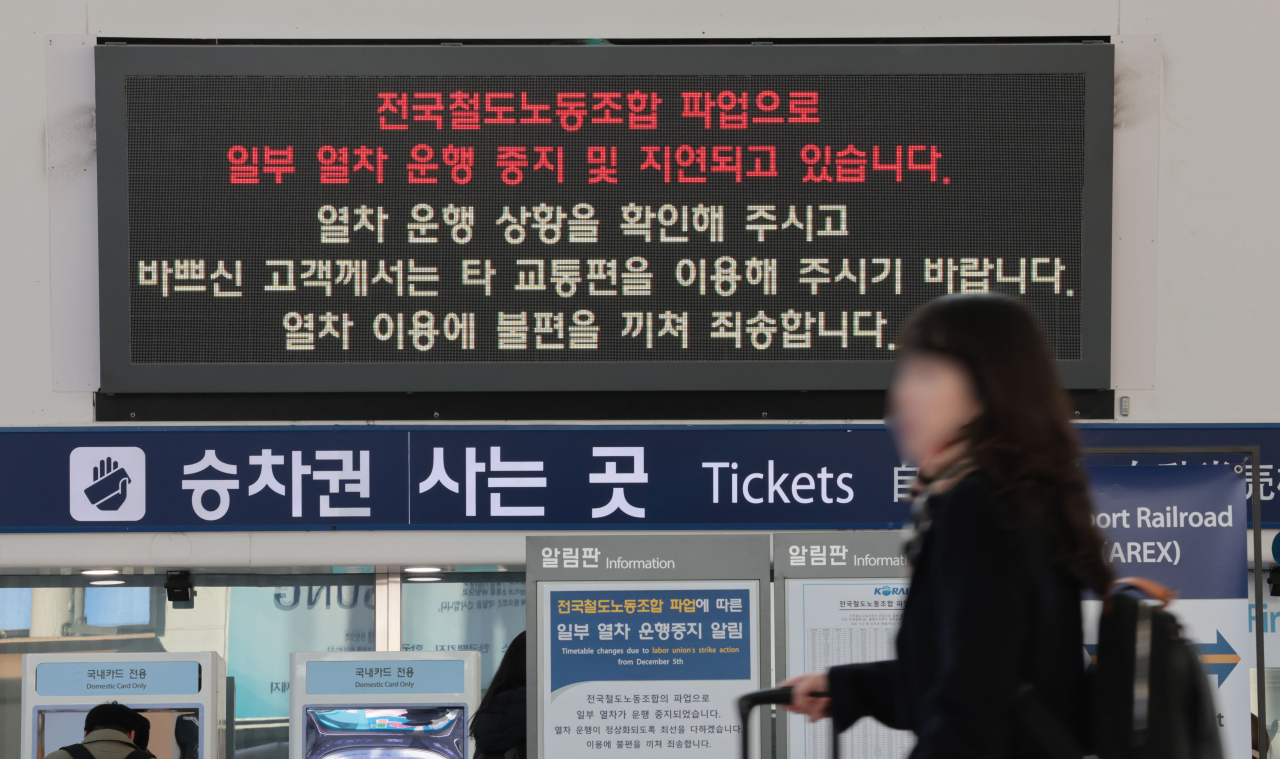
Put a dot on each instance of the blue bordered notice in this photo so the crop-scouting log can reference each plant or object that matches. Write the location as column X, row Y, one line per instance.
column 144, row 678
column 646, row 665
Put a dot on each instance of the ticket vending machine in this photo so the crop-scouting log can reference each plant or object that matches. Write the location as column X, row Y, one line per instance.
column 180, row 694
column 382, row 705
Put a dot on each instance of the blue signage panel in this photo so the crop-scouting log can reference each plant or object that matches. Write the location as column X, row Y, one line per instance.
column 566, row 477
column 680, row 478
column 385, row 678
column 137, row 678
column 265, row 478
column 191, row 479
column 1183, row 527
column 1265, row 436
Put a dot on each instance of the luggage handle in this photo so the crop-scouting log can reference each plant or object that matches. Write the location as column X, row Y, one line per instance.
column 780, row 696
column 1150, row 588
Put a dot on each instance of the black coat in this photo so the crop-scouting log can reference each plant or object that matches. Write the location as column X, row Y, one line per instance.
column 500, row 726
column 971, row 634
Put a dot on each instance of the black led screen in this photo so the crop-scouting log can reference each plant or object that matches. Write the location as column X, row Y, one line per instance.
column 282, row 220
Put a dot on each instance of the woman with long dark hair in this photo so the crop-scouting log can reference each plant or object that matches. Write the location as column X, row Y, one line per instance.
column 1003, row 543
column 498, row 727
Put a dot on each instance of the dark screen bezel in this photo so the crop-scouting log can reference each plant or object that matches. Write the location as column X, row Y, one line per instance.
column 116, row 62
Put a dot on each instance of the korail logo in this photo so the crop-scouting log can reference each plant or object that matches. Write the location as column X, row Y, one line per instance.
column 889, row 590
column 108, row 484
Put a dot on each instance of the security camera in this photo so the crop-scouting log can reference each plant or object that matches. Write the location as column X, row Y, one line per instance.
column 179, row 590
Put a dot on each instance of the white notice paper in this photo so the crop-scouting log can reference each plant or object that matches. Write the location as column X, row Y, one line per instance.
column 832, row 622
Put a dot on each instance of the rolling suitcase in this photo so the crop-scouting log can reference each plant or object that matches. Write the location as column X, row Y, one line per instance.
column 780, row 696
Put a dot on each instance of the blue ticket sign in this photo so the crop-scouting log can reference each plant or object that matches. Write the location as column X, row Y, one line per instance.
column 568, row 477
column 378, row 478
column 139, row 678
column 385, row 677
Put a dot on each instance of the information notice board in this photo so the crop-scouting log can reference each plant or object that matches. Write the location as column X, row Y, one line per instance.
column 387, row 218
column 646, row 643
column 657, row 667
column 833, row 622
column 840, row 599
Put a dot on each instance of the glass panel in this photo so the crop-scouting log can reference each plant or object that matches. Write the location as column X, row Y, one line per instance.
column 253, row 628
column 1273, row 702
column 117, row 607
column 79, row 619
column 268, row 624
column 15, row 609
column 463, row 616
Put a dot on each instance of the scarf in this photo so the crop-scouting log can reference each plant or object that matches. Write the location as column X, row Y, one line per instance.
column 936, row 475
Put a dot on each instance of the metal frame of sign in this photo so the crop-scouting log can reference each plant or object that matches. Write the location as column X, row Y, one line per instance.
column 695, row 558
column 877, row 543
column 115, row 63
column 1255, row 456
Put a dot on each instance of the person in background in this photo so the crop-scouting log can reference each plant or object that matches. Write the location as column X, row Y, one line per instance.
column 498, row 726
column 1003, row 542
column 109, row 732
column 141, row 730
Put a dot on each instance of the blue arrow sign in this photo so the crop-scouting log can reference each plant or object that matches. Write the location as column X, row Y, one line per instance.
column 1218, row 658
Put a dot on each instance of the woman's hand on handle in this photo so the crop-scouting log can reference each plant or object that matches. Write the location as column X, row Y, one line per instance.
column 802, row 702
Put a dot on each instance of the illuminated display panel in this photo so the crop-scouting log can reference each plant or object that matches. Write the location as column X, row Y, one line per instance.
column 584, row 218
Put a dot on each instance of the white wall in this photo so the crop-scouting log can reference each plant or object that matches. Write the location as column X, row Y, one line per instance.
column 1217, row 186
column 1217, row 253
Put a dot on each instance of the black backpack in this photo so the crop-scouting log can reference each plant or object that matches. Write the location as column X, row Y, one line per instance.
column 1149, row 693
column 78, row 751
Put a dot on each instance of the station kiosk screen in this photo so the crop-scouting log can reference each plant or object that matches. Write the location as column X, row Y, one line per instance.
column 436, row 732
column 174, row 732
column 180, row 695
column 382, row 705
